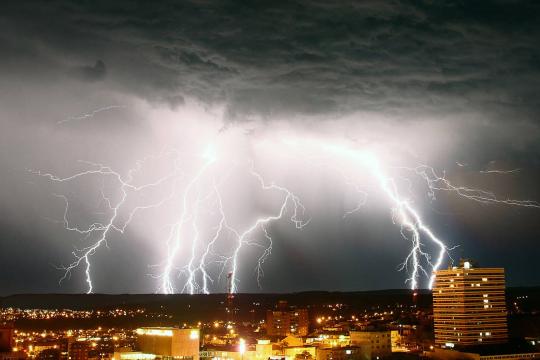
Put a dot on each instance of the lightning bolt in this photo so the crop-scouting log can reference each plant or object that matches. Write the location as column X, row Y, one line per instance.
column 91, row 114
column 412, row 226
column 104, row 229
column 201, row 199
column 500, row 171
column 221, row 225
column 175, row 237
column 436, row 183
column 243, row 238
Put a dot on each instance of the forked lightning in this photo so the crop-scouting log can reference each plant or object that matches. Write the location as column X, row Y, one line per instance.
column 198, row 246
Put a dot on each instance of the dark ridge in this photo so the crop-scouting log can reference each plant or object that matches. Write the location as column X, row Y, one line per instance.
column 154, row 302
column 104, row 301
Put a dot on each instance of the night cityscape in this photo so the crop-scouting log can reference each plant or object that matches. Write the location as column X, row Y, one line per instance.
column 269, row 180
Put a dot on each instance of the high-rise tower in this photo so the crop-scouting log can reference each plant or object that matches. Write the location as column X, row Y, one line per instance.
column 469, row 306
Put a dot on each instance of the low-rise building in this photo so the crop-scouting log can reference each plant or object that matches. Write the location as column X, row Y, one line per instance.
column 168, row 341
column 361, row 352
column 380, row 341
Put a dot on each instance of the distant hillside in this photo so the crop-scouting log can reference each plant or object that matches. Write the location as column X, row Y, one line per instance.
column 182, row 301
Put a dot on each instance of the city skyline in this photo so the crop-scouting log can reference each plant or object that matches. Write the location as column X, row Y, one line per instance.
column 266, row 147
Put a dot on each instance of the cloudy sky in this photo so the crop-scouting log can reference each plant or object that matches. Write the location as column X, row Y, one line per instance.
column 452, row 84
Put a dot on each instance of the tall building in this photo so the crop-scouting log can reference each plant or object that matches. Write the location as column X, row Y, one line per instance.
column 168, row 341
column 469, row 306
column 7, row 342
column 285, row 321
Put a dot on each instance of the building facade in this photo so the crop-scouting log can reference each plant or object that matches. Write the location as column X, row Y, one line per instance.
column 379, row 341
column 469, row 306
column 78, row 350
column 169, row 342
column 7, row 341
column 362, row 352
column 446, row 354
column 285, row 321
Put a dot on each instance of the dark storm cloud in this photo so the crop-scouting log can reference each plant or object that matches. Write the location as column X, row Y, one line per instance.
column 304, row 57
column 91, row 73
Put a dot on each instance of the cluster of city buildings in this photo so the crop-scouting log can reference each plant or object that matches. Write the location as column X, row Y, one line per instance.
column 11, row 314
column 186, row 344
column 469, row 321
column 60, row 345
column 287, row 337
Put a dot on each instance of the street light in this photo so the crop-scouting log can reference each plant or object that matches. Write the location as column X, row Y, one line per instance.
column 242, row 347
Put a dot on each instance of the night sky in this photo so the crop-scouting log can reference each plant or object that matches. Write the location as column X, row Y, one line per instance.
column 453, row 84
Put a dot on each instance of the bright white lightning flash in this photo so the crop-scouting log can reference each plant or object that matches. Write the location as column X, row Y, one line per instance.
column 197, row 244
column 100, row 229
column 175, row 239
column 411, row 224
column 289, row 198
